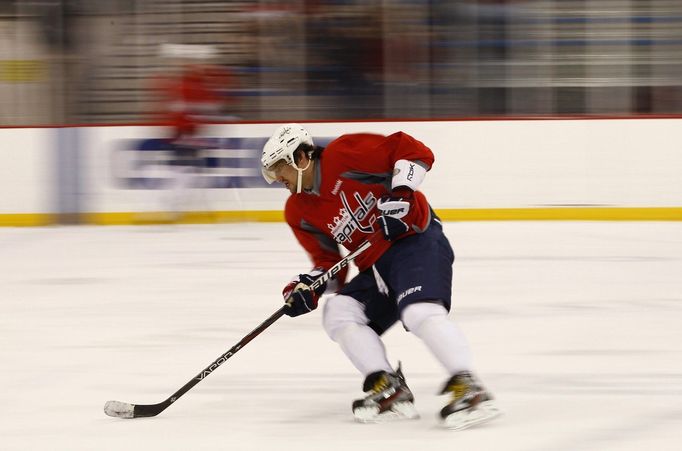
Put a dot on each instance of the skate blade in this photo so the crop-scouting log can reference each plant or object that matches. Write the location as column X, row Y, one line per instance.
column 399, row 411
column 464, row 419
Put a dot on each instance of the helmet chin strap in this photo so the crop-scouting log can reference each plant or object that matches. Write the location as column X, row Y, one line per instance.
column 299, row 182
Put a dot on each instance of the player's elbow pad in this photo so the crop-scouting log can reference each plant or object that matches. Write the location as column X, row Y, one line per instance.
column 408, row 173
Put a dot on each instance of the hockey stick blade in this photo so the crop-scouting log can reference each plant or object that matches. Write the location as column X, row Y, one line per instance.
column 118, row 409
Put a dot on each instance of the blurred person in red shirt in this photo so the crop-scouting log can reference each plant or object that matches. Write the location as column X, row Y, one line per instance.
column 191, row 95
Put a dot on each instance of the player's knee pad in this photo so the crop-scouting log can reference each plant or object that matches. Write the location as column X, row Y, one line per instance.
column 341, row 311
column 416, row 316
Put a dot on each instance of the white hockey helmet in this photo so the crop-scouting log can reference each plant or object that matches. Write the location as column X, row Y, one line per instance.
column 281, row 146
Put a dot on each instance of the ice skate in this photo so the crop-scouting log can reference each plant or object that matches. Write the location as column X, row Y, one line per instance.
column 471, row 404
column 388, row 399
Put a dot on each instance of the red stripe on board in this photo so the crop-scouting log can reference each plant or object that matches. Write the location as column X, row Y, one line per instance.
column 328, row 121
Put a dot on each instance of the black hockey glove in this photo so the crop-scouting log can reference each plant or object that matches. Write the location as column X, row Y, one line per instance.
column 395, row 218
column 299, row 297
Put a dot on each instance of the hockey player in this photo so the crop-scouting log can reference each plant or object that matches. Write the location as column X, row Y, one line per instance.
column 365, row 186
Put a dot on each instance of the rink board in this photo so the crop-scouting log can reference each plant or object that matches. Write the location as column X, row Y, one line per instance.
column 610, row 169
column 26, row 177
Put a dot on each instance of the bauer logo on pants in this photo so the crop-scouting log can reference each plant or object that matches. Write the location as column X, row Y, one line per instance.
column 408, row 292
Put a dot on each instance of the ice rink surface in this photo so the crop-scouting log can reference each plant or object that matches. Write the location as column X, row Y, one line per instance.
column 575, row 327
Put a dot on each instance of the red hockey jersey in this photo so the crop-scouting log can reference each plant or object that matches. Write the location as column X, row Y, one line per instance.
column 353, row 172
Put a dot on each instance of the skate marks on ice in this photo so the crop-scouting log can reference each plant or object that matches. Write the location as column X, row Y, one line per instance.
column 576, row 384
column 636, row 431
column 582, row 410
column 575, row 329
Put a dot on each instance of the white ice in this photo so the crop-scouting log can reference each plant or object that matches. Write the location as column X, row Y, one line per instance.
column 576, row 327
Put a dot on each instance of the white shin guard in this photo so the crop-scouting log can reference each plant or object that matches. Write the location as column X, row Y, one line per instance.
column 345, row 321
column 430, row 322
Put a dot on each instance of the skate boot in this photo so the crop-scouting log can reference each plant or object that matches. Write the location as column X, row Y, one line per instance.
column 388, row 398
column 471, row 404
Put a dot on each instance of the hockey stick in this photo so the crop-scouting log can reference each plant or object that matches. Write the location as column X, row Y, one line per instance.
column 126, row 410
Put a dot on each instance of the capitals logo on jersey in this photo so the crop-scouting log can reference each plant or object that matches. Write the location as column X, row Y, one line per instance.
column 354, row 215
